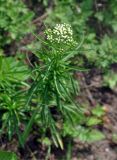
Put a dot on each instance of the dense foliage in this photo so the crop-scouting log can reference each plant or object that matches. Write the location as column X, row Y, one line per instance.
column 15, row 19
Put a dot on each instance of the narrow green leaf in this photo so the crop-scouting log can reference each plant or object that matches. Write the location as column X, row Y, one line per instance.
column 31, row 91
column 28, row 127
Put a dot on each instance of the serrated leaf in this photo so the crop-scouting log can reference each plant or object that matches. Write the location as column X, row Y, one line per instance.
column 95, row 135
column 98, row 111
column 93, row 121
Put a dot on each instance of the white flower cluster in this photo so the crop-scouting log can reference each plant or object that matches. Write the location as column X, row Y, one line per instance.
column 61, row 34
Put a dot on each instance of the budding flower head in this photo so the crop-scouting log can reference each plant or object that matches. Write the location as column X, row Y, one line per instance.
column 60, row 34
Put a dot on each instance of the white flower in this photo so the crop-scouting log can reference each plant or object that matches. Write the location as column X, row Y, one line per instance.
column 60, row 34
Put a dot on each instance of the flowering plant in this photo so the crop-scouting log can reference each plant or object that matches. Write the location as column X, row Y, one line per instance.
column 53, row 80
